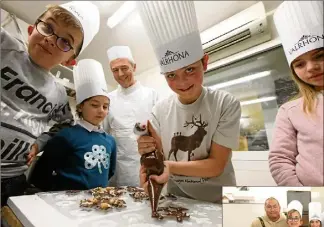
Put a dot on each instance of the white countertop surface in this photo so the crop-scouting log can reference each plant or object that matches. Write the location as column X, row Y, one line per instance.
column 57, row 209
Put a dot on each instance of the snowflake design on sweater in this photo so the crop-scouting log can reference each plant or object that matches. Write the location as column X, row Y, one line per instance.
column 98, row 156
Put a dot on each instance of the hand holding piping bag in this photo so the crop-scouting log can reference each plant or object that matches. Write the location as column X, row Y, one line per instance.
column 153, row 173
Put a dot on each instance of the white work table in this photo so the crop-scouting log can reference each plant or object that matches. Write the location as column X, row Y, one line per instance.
column 61, row 210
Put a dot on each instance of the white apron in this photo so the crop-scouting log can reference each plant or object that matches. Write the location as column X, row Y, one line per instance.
column 128, row 106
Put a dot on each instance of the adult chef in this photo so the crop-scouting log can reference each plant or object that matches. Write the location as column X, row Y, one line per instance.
column 131, row 102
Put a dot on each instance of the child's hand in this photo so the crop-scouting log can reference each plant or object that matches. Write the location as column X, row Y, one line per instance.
column 162, row 179
column 32, row 154
column 147, row 144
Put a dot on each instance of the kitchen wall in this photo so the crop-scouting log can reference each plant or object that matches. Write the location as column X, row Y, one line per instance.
column 152, row 77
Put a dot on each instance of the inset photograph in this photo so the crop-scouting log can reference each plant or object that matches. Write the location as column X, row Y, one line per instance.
column 273, row 206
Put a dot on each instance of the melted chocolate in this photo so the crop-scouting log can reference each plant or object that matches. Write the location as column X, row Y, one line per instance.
column 153, row 162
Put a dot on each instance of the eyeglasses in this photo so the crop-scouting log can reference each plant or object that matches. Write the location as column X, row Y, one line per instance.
column 295, row 219
column 46, row 30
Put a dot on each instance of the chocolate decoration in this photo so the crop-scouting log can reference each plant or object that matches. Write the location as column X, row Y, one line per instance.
column 153, row 163
column 104, row 198
column 177, row 212
column 134, row 189
column 138, row 194
column 108, row 191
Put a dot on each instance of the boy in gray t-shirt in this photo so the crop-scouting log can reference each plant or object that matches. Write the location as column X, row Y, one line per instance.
column 30, row 97
column 197, row 127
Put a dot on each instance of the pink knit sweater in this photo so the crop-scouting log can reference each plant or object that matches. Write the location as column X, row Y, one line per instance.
column 296, row 152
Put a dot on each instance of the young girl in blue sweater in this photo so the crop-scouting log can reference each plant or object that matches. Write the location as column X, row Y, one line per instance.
column 83, row 156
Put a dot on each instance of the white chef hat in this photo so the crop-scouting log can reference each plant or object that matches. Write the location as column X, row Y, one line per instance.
column 295, row 205
column 88, row 15
column 89, row 80
column 322, row 218
column 300, row 27
column 173, row 31
column 315, row 209
column 116, row 52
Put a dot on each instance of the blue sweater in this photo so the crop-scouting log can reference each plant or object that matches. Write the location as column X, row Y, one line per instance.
column 80, row 159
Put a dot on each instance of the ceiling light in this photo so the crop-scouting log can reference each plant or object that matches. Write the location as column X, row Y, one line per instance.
column 242, row 80
column 121, row 13
column 254, row 101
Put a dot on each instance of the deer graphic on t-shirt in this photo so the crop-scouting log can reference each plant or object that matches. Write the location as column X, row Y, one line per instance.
column 188, row 143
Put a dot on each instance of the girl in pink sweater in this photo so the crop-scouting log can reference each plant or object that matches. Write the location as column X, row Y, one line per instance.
column 296, row 152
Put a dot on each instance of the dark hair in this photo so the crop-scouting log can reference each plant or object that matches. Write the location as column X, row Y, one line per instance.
column 309, row 225
column 79, row 113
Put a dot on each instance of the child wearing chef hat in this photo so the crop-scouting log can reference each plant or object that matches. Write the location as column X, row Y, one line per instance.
column 315, row 209
column 30, row 96
column 296, row 151
column 82, row 156
column 196, row 127
column 64, row 32
column 294, row 214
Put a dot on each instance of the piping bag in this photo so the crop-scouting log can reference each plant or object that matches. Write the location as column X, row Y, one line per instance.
column 153, row 163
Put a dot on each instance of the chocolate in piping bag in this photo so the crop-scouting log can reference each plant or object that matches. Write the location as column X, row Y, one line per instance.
column 153, row 163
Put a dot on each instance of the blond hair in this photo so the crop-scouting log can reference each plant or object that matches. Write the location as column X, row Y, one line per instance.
column 65, row 17
column 307, row 92
column 293, row 211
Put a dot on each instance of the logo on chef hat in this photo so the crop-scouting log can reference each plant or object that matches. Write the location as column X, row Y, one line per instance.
column 73, row 9
column 171, row 57
column 168, row 53
column 304, row 41
column 304, row 37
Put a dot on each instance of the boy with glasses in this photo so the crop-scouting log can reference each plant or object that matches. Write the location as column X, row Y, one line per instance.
column 30, row 97
column 295, row 214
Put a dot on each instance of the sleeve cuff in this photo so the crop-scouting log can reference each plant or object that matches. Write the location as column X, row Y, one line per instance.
column 41, row 141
